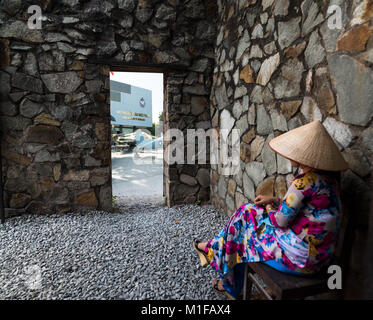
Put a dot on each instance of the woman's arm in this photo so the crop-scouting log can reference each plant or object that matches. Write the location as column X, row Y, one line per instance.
column 289, row 207
column 262, row 200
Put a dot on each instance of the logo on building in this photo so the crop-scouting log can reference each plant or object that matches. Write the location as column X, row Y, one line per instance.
column 142, row 102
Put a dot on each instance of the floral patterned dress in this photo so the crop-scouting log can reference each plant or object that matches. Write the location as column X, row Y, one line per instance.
column 301, row 234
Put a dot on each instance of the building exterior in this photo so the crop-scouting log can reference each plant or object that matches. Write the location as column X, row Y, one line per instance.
column 130, row 107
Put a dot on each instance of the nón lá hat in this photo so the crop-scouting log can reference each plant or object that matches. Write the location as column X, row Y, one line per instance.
column 310, row 145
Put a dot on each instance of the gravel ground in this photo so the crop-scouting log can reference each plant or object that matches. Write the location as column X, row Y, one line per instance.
column 142, row 252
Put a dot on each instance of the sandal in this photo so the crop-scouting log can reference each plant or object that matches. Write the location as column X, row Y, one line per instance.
column 225, row 292
column 202, row 255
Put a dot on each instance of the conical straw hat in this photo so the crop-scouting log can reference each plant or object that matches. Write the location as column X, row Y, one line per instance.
column 310, row 145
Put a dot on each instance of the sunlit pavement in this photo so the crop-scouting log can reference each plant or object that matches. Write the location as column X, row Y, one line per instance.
column 137, row 176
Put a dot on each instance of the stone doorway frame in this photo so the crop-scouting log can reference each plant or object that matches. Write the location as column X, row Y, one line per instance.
column 168, row 71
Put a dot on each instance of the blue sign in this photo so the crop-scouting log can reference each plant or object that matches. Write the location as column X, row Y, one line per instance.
column 129, row 105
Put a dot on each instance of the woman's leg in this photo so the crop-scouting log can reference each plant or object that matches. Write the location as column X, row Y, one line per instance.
column 219, row 283
column 235, row 281
column 242, row 240
column 233, row 244
column 202, row 246
column 228, row 249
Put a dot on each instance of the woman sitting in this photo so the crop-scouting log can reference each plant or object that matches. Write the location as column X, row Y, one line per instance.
column 297, row 234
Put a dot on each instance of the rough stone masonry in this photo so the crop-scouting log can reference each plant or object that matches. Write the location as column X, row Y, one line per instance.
column 260, row 66
column 55, row 117
column 278, row 65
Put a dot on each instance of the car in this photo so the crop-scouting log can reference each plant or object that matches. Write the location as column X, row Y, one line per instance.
column 122, row 140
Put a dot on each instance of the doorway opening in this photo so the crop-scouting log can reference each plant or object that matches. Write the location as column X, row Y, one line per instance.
column 136, row 109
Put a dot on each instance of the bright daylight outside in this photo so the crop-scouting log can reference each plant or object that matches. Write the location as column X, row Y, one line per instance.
column 136, row 108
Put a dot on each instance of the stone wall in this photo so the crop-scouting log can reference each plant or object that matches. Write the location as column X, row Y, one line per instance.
column 264, row 67
column 279, row 66
column 54, row 84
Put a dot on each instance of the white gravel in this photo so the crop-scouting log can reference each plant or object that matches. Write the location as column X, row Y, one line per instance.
column 143, row 252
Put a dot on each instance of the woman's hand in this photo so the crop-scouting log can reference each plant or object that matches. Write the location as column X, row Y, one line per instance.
column 262, row 201
column 269, row 208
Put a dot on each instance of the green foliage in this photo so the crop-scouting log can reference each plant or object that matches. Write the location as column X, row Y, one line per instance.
column 113, row 199
column 152, row 129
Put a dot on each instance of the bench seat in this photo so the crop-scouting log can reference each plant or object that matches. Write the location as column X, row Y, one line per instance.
column 283, row 286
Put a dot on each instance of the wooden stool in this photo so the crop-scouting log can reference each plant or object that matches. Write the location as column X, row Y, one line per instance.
column 281, row 285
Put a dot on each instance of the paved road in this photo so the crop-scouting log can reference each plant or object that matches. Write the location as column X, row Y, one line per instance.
column 138, row 177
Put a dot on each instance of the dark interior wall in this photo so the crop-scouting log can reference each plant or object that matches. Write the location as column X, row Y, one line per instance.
column 54, row 83
column 279, row 66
